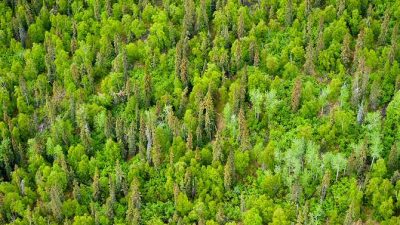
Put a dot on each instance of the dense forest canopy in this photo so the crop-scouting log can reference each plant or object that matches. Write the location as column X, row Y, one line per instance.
column 199, row 112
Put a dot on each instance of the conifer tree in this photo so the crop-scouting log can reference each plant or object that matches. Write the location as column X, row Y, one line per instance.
column 296, row 94
column 325, row 184
column 289, row 12
column 320, row 45
column 393, row 46
column 156, row 152
column 384, row 28
column 76, row 192
column 49, row 59
column 189, row 17
column 240, row 24
column 148, row 89
column 229, row 171
column 96, row 9
column 108, row 125
column 393, row 159
column 96, row 186
column 184, row 61
column 200, row 125
column 309, row 65
column 134, row 203
column 308, row 7
column 202, row 17
column 346, row 51
column 341, row 7
column 120, row 131
column 55, row 202
column 132, row 139
column 243, row 131
column 358, row 49
column 209, row 114
column 217, row 149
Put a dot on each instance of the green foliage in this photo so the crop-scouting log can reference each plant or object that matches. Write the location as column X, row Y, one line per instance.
column 199, row 112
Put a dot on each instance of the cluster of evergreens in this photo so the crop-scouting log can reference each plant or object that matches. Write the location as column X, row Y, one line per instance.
column 201, row 112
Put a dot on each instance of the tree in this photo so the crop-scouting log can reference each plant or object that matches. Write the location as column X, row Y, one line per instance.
column 240, row 24
column 134, row 203
column 6, row 156
column 296, row 94
column 393, row 46
column 279, row 217
column 257, row 99
column 341, row 7
column 384, row 28
column 189, row 17
column 237, row 55
column 374, row 135
column 209, row 114
column 85, row 219
column 183, row 205
column 391, row 128
column 338, row 163
column 202, row 16
column 108, row 125
column 156, row 151
column 49, row 59
column 309, row 65
column 148, row 89
column 96, row 9
column 358, row 158
column 120, row 133
column 111, row 152
column 252, row 217
column 346, row 50
column 308, row 7
column 55, row 202
column 393, row 159
column 358, row 49
column 217, row 149
column 120, row 179
column 326, row 180
column 244, row 136
column 320, row 45
column 96, row 186
column 132, row 139
column 289, row 13
column 229, row 171
column 375, row 94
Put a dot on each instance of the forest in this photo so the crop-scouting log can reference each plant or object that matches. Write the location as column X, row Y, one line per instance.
column 236, row 112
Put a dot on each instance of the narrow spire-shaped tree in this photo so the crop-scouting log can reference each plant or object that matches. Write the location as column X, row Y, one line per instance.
column 132, row 138
column 346, row 50
column 289, row 12
column 156, row 151
column 217, row 149
column 240, row 24
column 393, row 47
column 209, row 114
column 393, row 159
column 134, row 203
column 341, row 7
column 244, row 135
column 309, row 65
column 147, row 89
column 296, row 94
column 55, row 202
column 229, row 171
column 96, row 185
column 384, row 28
